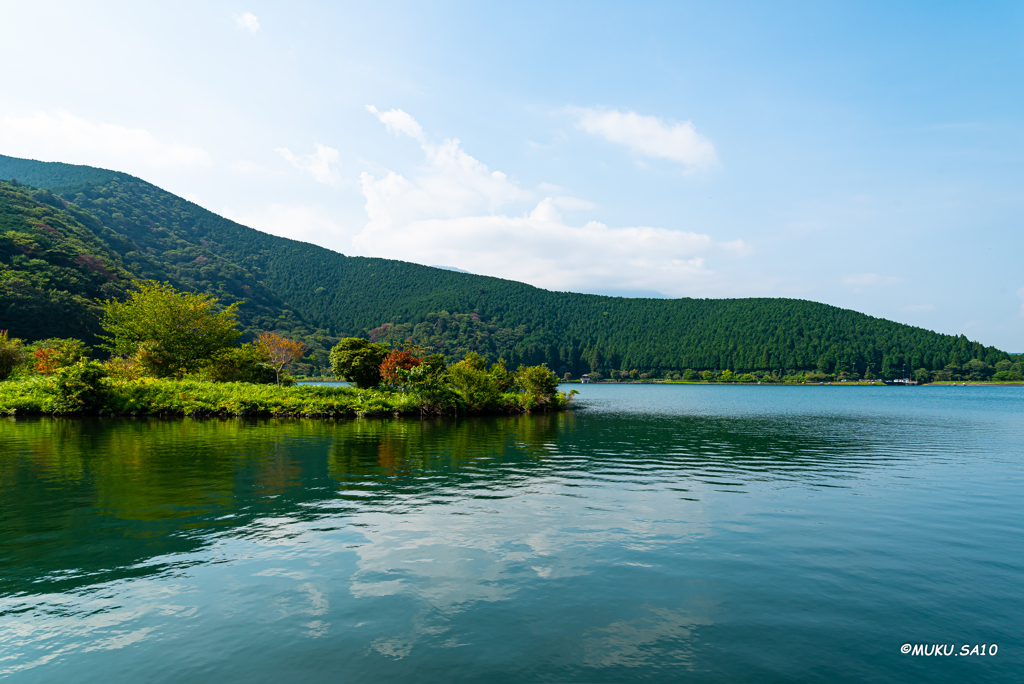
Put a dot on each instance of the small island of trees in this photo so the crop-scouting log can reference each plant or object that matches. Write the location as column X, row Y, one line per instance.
column 166, row 352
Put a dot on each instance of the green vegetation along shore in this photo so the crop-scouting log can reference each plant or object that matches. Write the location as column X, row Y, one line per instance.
column 153, row 397
column 173, row 353
column 72, row 234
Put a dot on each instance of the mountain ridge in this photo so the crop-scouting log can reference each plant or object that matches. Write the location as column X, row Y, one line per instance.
column 319, row 295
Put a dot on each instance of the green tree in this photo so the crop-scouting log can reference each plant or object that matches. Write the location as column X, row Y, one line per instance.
column 11, row 354
column 247, row 363
column 428, row 381
column 172, row 332
column 537, row 383
column 474, row 385
column 359, row 360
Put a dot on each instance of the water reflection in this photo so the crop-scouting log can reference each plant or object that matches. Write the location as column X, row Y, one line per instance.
column 604, row 540
column 82, row 497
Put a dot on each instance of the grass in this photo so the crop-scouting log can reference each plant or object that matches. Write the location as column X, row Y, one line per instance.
column 40, row 395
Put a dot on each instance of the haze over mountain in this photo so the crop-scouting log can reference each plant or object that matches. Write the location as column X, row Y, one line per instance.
column 86, row 231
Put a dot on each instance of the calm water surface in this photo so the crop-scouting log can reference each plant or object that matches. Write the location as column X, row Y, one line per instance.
column 661, row 533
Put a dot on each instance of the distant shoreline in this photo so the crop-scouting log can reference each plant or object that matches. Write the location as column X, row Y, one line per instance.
column 854, row 383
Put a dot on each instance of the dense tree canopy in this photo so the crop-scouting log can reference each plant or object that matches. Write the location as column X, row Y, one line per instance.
column 359, row 360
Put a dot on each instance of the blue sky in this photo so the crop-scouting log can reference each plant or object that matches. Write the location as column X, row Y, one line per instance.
column 866, row 155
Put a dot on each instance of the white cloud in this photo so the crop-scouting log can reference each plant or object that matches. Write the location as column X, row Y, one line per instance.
column 62, row 136
column 863, row 279
column 304, row 223
column 649, row 136
column 247, row 21
column 317, row 164
column 398, row 121
column 454, row 210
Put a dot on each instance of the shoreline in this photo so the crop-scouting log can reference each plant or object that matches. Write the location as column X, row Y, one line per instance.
column 854, row 383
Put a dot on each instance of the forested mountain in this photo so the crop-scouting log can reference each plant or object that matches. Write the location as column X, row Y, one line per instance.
column 52, row 267
column 320, row 295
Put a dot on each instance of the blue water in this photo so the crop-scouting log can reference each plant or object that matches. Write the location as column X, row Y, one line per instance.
column 658, row 533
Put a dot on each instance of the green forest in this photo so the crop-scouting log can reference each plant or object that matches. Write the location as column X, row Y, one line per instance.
column 72, row 234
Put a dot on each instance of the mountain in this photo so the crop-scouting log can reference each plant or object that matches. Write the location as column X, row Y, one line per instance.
column 319, row 295
column 53, row 267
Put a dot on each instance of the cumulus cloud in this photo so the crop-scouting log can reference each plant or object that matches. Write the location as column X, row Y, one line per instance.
column 450, row 184
column 649, row 136
column 318, row 164
column 247, row 21
column 455, row 210
column 398, row 121
column 62, row 136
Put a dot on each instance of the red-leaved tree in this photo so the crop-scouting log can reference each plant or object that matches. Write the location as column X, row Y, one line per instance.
column 394, row 363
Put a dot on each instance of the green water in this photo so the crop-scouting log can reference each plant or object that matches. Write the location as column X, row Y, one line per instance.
column 661, row 533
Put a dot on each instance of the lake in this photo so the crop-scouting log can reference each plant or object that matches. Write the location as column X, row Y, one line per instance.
column 658, row 533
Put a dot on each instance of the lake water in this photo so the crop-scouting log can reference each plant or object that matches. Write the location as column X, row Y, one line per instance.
column 660, row 533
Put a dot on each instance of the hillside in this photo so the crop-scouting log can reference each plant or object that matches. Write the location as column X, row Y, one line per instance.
column 320, row 295
column 52, row 268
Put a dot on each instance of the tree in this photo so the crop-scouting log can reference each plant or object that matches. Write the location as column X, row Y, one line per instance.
column 11, row 354
column 394, row 363
column 51, row 355
column 474, row 385
column 359, row 360
column 280, row 350
column 538, row 383
column 172, row 332
column 246, row 363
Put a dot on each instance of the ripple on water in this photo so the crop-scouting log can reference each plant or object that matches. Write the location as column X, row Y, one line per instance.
column 659, row 532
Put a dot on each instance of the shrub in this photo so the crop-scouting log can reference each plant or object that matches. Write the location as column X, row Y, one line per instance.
column 12, row 354
column 124, row 369
column 247, row 363
column 79, row 387
column 478, row 389
column 53, row 354
column 537, row 383
column 428, row 383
